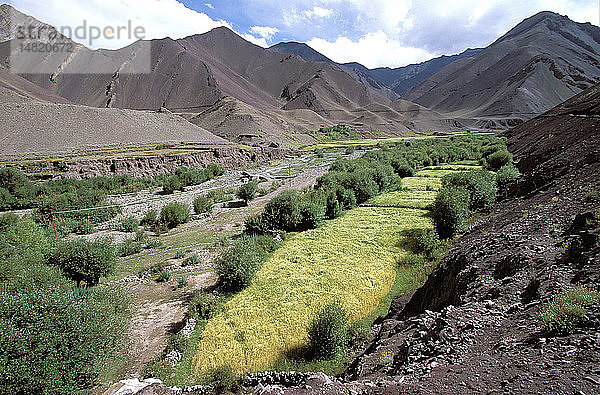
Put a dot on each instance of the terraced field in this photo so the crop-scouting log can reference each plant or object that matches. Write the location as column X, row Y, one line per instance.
column 352, row 259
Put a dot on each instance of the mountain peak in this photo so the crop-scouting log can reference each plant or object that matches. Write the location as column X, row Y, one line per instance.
column 303, row 50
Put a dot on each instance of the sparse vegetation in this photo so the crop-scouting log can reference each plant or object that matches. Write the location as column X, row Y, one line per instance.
column 184, row 177
column 567, row 309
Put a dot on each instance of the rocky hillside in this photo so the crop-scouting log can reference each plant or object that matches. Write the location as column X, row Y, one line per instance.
column 474, row 327
column 540, row 63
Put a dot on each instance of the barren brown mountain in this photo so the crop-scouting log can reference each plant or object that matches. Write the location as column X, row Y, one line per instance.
column 540, row 63
column 192, row 77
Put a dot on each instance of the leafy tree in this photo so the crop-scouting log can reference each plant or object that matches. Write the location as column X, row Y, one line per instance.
column 247, row 191
column 237, row 265
column 83, row 260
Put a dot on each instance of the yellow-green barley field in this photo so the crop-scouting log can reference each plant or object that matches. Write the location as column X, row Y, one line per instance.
column 351, row 259
column 404, row 198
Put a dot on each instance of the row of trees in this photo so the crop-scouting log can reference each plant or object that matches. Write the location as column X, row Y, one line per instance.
column 353, row 182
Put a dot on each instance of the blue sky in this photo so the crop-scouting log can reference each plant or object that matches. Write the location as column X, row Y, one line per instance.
column 373, row 32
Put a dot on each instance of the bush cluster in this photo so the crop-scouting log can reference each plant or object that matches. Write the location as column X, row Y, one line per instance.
column 202, row 204
column 68, row 332
column 353, row 182
column 462, row 194
column 183, row 177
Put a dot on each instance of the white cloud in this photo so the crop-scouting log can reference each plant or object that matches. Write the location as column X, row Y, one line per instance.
column 158, row 18
column 318, row 12
column 260, row 41
column 372, row 50
column 264, row 31
column 261, row 35
column 212, row 7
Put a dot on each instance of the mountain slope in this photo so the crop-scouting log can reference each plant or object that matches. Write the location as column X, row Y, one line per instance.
column 403, row 79
column 540, row 63
column 391, row 82
column 192, row 75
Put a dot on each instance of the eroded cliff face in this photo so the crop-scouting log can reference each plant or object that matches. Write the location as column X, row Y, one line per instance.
column 150, row 165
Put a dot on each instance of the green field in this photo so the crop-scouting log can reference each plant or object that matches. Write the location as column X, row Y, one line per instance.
column 352, row 259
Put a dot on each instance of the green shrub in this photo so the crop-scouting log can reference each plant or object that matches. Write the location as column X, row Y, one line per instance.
column 350, row 150
column 312, row 215
column 283, row 212
column 180, row 254
column 150, row 218
column 57, row 341
column 591, row 195
column 174, row 214
column 177, row 342
column 193, row 260
column 129, row 224
column 204, row 305
column 451, row 211
column 202, row 204
column 499, row 159
column 358, row 335
column 225, row 381
column 319, row 153
column 328, row 332
column 424, row 241
column 129, row 247
column 413, row 260
column 172, row 184
column 567, row 309
column 480, row 184
column 221, row 195
column 182, row 282
column 237, row 265
column 507, row 173
column 83, row 260
column 164, row 276
column 247, row 192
